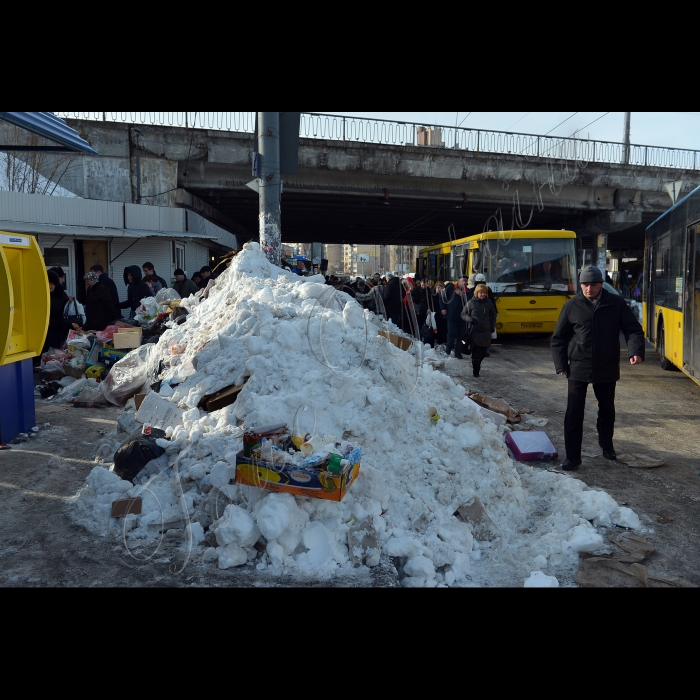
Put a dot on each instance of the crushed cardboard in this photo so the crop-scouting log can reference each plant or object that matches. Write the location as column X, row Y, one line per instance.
column 126, row 506
column 608, row 572
column 473, row 513
column 640, row 461
column 222, row 398
column 398, row 340
column 159, row 412
column 497, row 405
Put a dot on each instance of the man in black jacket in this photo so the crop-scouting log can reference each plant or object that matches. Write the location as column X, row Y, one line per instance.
column 586, row 349
column 137, row 289
column 148, row 269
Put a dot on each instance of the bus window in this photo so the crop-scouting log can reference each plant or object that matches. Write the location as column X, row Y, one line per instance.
column 442, row 269
column 432, row 265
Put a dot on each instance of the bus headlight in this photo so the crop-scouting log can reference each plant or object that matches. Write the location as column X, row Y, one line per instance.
column 499, row 326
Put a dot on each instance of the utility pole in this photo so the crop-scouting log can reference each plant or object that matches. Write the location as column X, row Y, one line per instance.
column 626, row 139
column 270, row 186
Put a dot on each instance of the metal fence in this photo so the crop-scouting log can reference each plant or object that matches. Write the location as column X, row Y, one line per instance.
column 384, row 131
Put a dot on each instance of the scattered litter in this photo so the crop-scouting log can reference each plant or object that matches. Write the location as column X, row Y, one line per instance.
column 641, row 461
column 497, row 405
column 607, row 572
column 531, row 446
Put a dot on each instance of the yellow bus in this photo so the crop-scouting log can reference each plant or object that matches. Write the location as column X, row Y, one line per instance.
column 531, row 273
column 671, row 289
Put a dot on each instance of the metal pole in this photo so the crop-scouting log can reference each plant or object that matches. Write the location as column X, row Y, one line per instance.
column 626, row 139
column 137, row 133
column 270, row 217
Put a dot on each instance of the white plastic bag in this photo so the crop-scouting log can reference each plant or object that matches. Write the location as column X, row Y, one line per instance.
column 128, row 376
column 166, row 295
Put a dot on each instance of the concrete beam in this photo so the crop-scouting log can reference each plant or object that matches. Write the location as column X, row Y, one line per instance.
column 207, row 163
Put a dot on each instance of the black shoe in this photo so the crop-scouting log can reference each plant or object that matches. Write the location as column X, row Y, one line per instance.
column 609, row 454
column 570, row 465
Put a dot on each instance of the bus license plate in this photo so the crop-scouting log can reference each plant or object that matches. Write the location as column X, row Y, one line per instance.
column 531, row 325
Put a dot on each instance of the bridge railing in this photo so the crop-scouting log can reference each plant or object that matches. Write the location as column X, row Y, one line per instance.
column 385, row 131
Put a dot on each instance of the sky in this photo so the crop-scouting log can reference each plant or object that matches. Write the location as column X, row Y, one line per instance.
column 672, row 129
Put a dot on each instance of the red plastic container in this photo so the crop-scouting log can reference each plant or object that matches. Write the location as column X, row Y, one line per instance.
column 531, row 445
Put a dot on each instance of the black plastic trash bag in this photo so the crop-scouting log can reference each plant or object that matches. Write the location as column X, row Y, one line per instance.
column 136, row 452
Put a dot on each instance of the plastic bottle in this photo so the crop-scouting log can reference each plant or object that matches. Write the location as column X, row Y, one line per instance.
column 334, row 462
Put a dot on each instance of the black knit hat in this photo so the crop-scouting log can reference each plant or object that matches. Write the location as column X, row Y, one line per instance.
column 179, row 272
column 590, row 274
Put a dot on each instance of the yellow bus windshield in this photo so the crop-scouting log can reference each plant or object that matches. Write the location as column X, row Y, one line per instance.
column 528, row 264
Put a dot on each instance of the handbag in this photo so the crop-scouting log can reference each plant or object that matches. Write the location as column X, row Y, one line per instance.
column 430, row 321
column 73, row 312
column 466, row 341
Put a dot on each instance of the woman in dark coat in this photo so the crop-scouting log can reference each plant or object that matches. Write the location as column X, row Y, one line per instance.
column 440, row 320
column 392, row 298
column 58, row 326
column 137, row 289
column 481, row 313
column 99, row 307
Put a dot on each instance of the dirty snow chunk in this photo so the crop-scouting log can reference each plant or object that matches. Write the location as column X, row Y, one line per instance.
column 222, row 473
column 196, row 533
column 539, row 580
column 403, row 547
column 316, row 539
column 232, row 555
column 420, row 567
column 237, row 527
column 275, row 514
column 457, row 535
column 354, row 315
column 541, row 561
column 371, row 483
column 626, row 517
column 588, row 503
column 210, row 553
column 602, row 519
column 583, row 538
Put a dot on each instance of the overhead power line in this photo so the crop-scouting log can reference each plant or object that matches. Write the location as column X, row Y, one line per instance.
column 560, row 123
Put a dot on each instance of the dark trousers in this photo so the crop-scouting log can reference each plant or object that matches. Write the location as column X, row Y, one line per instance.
column 455, row 333
column 478, row 354
column 573, row 420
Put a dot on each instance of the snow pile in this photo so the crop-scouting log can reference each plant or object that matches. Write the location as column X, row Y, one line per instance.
column 312, row 358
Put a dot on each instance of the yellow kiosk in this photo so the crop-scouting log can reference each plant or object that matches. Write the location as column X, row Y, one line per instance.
column 24, row 320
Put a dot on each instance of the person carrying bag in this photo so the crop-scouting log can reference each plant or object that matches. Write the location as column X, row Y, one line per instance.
column 74, row 312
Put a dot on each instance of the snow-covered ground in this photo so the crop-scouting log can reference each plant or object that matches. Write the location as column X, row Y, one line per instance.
column 312, row 358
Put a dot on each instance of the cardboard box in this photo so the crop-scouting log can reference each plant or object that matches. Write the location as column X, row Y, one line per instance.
column 398, row 340
column 159, row 412
column 126, row 506
column 221, row 399
column 531, row 445
column 127, row 338
column 138, row 400
column 298, row 481
column 73, row 371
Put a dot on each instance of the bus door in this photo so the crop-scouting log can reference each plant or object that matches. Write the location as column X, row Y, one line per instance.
column 457, row 262
column 650, row 263
column 691, row 306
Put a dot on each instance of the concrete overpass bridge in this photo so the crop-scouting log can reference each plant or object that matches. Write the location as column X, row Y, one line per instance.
column 379, row 182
